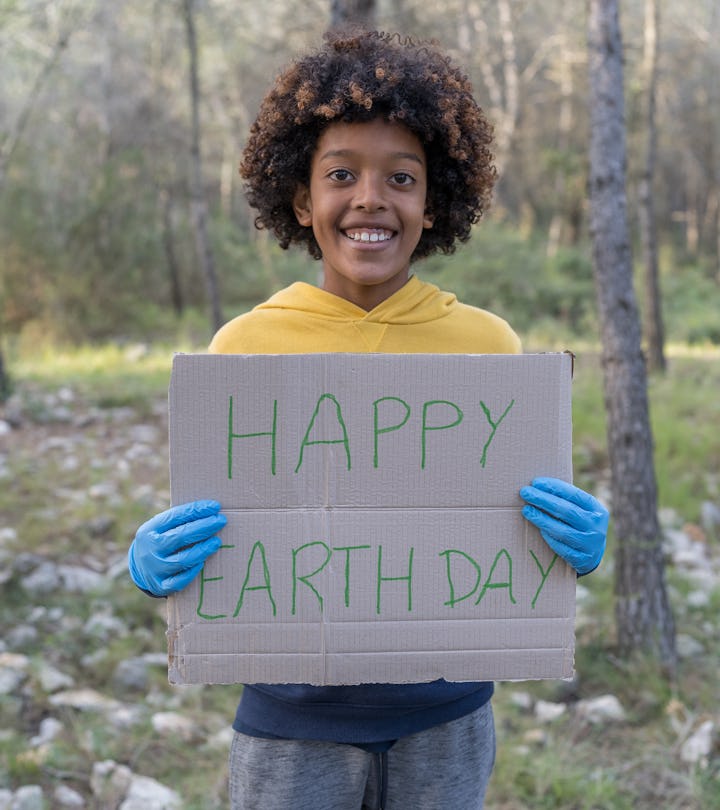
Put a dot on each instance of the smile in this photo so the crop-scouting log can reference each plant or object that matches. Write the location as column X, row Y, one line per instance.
column 369, row 235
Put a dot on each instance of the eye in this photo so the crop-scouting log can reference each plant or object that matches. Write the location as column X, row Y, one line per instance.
column 403, row 179
column 340, row 175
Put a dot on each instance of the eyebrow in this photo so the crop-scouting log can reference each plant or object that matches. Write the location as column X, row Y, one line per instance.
column 346, row 153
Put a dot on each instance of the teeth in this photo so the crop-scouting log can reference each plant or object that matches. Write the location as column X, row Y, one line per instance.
column 370, row 236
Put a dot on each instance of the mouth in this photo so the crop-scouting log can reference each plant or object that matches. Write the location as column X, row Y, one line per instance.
column 368, row 235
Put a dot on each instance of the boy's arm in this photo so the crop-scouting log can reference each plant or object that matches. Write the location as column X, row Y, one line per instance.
column 170, row 549
column 572, row 522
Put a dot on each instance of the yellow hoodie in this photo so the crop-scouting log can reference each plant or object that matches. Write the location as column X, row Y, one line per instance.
column 418, row 318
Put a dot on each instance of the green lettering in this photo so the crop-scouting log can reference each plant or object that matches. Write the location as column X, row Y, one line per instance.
column 257, row 548
column 493, row 425
column 377, row 431
column 381, row 578
column 347, row 550
column 426, row 427
column 489, row 585
column 203, row 579
column 344, row 441
column 304, row 579
column 231, row 436
column 543, row 573
column 453, row 599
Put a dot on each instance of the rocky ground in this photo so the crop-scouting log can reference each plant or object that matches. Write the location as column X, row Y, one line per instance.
column 86, row 716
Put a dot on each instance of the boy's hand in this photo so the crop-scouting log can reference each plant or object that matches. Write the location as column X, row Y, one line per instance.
column 571, row 521
column 170, row 549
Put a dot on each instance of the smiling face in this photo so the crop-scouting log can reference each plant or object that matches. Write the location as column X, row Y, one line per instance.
column 366, row 204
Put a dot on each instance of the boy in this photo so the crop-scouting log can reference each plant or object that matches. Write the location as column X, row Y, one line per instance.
column 372, row 153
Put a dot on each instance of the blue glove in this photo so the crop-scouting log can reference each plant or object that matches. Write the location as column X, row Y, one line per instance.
column 571, row 521
column 170, row 549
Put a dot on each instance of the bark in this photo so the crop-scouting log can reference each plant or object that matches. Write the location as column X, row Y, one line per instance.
column 566, row 123
column 653, row 323
column 504, row 95
column 168, row 241
column 644, row 619
column 198, row 203
column 360, row 13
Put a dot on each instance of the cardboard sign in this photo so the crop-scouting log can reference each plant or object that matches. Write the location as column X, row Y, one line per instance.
column 374, row 529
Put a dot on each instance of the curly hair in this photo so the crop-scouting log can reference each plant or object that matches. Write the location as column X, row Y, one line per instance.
column 357, row 78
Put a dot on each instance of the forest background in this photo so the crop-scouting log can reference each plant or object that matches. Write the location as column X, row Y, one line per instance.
column 96, row 170
column 103, row 274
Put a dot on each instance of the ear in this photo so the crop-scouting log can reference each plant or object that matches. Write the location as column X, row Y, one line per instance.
column 302, row 206
column 428, row 219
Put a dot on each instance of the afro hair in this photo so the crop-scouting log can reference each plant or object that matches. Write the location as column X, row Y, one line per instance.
column 356, row 78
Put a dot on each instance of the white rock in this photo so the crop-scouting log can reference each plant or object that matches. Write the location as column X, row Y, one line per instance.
column 28, row 797
column 669, row 517
column 20, row 636
column 145, row 434
column 172, row 724
column 67, row 797
column 51, row 679
column 545, row 711
column 535, row 736
column 105, row 625
column 523, row 700
column 44, row 579
column 696, row 749
column 10, row 660
column 148, row 794
column 132, row 673
column 127, row 716
column 222, row 739
column 5, row 798
column 110, row 782
column 86, row 700
column 709, row 516
column 76, row 579
column 10, row 680
column 697, row 599
column 8, row 535
column 602, row 709
column 48, row 731
column 688, row 647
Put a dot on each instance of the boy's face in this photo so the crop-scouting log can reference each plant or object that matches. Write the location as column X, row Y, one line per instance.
column 366, row 205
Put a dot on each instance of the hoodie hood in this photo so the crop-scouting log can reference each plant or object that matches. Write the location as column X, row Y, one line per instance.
column 417, row 318
column 415, row 302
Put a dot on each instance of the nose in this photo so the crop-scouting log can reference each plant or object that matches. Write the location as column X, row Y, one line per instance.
column 370, row 192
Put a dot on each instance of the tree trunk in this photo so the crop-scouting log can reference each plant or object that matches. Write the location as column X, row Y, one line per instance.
column 566, row 123
column 644, row 619
column 198, row 203
column 504, row 94
column 173, row 267
column 4, row 377
column 653, row 323
column 360, row 13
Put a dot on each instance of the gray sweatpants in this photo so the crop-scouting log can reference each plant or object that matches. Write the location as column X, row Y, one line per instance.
column 447, row 766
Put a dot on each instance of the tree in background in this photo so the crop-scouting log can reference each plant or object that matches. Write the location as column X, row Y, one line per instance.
column 198, row 203
column 653, row 322
column 644, row 619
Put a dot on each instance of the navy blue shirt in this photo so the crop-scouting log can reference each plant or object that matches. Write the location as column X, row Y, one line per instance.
column 363, row 714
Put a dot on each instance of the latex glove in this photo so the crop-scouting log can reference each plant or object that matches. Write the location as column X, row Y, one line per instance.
column 170, row 549
column 572, row 522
